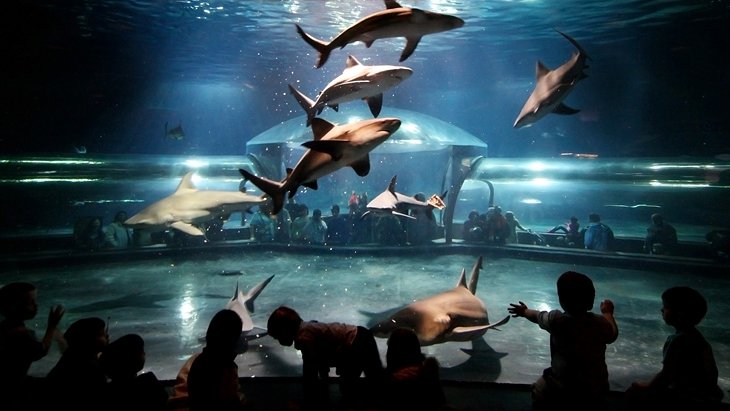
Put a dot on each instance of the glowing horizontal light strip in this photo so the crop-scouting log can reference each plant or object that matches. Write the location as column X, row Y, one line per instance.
column 675, row 166
column 52, row 162
column 655, row 183
column 51, row 180
column 84, row 202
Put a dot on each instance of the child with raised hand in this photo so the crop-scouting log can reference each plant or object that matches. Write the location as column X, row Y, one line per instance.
column 19, row 347
column 578, row 375
column 688, row 378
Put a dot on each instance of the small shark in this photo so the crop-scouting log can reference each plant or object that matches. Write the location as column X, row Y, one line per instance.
column 389, row 201
column 552, row 87
column 188, row 206
column 333, row 147
column 242, row 304
column 453, row 315
column 356, row 82
column 394, row 21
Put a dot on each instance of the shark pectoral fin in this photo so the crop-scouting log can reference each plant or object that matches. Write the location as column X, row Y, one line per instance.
column 503, row 321
column 468, row 333
column 565, row 110
column 334, row 148
column 375, row 103
column 403, row 215
column 310, row 184
column 411, row 44
column 362, row 166
column 187, row 228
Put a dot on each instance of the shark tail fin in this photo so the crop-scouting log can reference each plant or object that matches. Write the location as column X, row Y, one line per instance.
column 254, row 292
column 306, row 103
column 272, row 188
column 474, row 279
column 319, row 45
column 574, row 43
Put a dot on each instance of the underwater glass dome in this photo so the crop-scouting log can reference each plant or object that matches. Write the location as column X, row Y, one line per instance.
column 540, row 110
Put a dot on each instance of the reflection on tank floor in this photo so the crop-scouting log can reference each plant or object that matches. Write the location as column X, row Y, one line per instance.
column 170, row 301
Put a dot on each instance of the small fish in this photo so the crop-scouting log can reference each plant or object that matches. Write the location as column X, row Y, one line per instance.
column 175, row 133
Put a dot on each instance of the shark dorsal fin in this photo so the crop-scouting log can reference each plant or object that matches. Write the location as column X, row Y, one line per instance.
column 391, row 186
column 321, row 127
column 235, row 293
column 392, row 4
column 475, row 276
column 541, row 70
column 462, row 279
column 352, row 61
column 186, row 183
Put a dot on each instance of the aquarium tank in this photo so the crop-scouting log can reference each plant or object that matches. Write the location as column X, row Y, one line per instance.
column 190, row 117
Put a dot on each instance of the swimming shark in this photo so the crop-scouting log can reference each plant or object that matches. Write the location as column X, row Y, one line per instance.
column 394, row 21
column 390, row 201
column 453, row 315
column 553, row 86
column 188, row 206
column 333, row 147
column 243, row 305
column 356, row 82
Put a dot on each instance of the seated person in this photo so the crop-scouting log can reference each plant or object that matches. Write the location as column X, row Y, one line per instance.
column 262, row 226
column 688, row 376
column 412, row 379
column 598, row 236
column 338, row 227
column 315, row 231
column 473, row 229
column 572, row 231
column 661, row 238
column 122, row 360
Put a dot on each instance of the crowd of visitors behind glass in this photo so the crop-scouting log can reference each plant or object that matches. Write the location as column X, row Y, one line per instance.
column 93, row 373
column 294, row 225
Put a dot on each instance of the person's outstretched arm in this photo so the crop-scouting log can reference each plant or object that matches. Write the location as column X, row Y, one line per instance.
column 521, row 310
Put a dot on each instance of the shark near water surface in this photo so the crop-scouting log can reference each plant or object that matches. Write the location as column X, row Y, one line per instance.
column 394, row 21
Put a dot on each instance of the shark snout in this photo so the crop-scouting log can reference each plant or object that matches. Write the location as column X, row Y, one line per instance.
column 391, row 124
